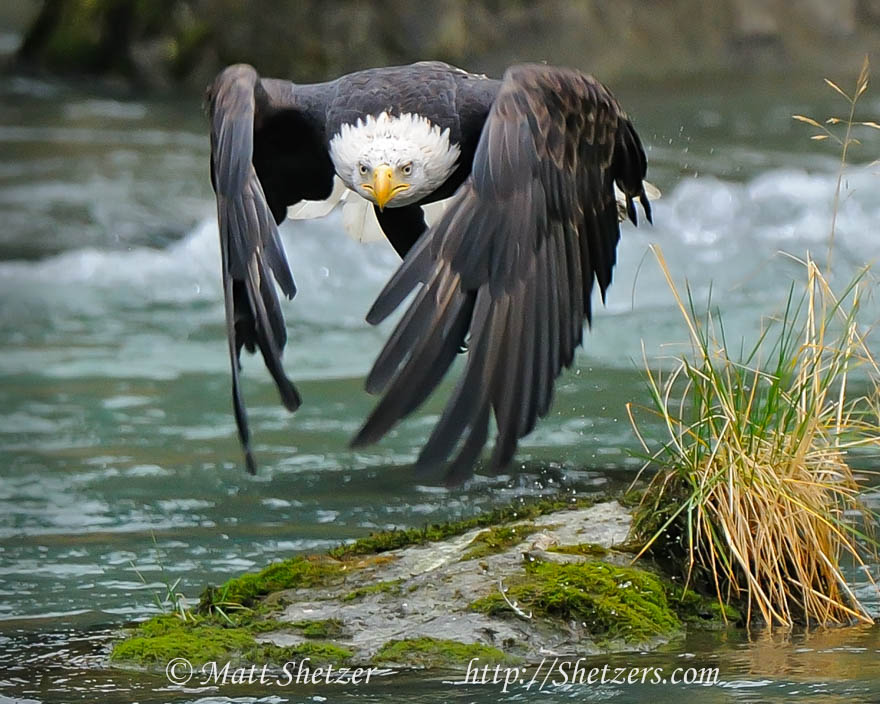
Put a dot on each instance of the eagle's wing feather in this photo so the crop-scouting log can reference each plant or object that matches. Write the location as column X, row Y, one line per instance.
column 265, row 155
column 511, row 262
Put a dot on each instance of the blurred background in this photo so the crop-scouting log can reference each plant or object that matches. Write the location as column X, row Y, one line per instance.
column 168, row 42
column 120, row 471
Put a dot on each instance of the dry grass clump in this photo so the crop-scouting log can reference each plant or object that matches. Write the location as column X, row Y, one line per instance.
column 763, row 498
column 756, row 495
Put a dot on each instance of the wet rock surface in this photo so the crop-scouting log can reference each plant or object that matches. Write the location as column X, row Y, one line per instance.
column 512, row 586
column 427, row 591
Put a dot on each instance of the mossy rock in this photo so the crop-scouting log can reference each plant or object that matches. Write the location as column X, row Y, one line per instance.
column 301, row 572
column 573, row 600
column 322, row 628
column 610, row 602
column 659, row 524
column 498, row 539
column 386, row 587
column 317, row 652
column 167, row 636
column 704, row 612
column 585, row 549
column 437, row 652
column 395, row 539
column 198, row 644
column 200, row 640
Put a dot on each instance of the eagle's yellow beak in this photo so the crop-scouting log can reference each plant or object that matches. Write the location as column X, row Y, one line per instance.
column 385, row 185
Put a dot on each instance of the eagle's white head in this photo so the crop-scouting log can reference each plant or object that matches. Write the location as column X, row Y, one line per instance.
column 393, row 160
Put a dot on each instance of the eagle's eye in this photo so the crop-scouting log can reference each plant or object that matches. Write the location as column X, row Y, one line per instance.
column 362, row 168
column 407, row 169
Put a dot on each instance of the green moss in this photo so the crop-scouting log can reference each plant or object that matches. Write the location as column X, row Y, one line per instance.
column 702, row 611
column 587, row 549
column 316, row 651
column 391, row 585
column 165, row 637
column 295, row 573
column 519, row 511
column 159, row 625
column 266, row 625
column 497, row 539
column 246, row 620
column 198, row 645
column 611, row 602
column 207, row 638
column 324, row 628
column 436, row 652
column 320, row 651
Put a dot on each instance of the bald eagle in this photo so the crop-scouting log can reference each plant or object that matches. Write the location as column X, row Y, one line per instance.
column 530, row 165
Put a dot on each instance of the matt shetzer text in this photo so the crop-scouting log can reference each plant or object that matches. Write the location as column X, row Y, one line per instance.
column 292, row 672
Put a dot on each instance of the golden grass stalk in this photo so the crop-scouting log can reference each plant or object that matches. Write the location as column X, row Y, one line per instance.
column 847, row 140
column 756, row 485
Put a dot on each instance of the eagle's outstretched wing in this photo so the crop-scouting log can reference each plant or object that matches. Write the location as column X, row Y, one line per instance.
column 267, row 152
column 511, row 264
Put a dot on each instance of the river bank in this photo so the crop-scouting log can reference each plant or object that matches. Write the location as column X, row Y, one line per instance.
column 173, row 42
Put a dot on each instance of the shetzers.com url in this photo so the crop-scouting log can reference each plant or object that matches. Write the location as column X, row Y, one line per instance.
column 561, row 671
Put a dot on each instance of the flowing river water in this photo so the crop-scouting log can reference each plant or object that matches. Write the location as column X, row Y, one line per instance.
column 119, row 466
